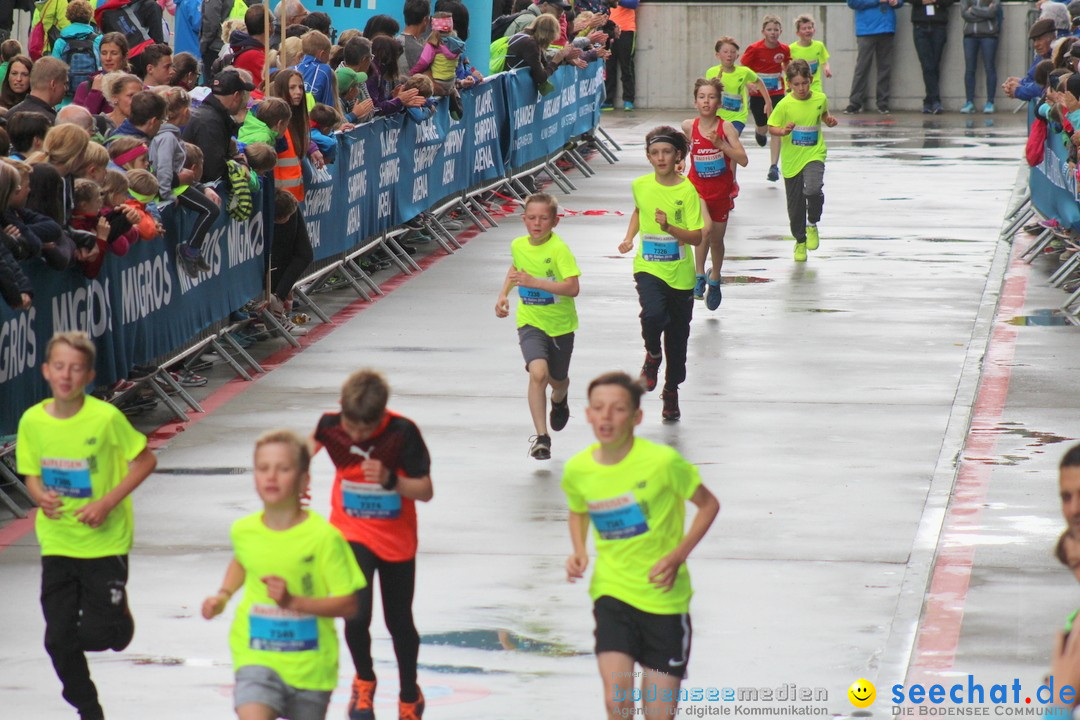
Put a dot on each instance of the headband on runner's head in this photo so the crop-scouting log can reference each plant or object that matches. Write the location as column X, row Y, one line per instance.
column 669, row 139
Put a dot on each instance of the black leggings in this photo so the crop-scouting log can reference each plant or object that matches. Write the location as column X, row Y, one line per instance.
column 85, row 607
column 290, row 255
column 397, row 580
column 206, row 213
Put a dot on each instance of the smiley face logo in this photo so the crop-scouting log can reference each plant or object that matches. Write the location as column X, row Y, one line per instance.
column 862, row 693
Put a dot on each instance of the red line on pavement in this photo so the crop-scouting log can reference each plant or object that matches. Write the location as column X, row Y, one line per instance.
column 939, row 628
column 16, row 530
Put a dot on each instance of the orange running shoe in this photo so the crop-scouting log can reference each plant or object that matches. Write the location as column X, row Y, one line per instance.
column 362, row 702
column 413, row 710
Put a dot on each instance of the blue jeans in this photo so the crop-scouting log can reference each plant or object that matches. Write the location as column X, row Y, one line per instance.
column 987, row 46
column 930, row 47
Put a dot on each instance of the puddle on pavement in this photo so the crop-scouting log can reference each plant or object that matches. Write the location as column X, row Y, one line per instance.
column 742, row 280
column 499, row 640
column 816, row 310
column 459, row 670
column 157, row 660
column 1035, row 441
column 741, row 258
column 1041, row 317
column 203, row 471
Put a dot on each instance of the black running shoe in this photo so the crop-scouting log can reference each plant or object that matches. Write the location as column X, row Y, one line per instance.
column 649, row 372
column 560, row 414
column 541, row 447
column 762, row 139
column 671, row 412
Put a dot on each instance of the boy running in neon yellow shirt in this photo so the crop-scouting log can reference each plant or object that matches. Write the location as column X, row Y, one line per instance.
column 82, row 460
column 811, row 50
column 634, row 493
column 798, row 122
column 298, row 574
column 734, row 103
column 546, row 275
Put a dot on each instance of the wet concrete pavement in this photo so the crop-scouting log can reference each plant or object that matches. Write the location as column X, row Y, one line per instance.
column 825, row 404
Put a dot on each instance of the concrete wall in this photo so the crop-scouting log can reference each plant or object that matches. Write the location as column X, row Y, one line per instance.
column 675, row 45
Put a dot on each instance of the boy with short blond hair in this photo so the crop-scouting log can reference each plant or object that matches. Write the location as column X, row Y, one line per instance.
column 82, row 460
column 382, row 469
column 811, row 50
column 546, row 275
column 319, row 77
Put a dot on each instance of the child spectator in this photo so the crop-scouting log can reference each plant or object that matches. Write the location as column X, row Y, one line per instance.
column 82, row 460
column 142, row 189
column 298, row 574
column 318, row 77
column 112, row 56
column 289, row 85
column 290, row 254
column 442, row 55
column 15, row 286
column 28, row 232
column 261, row 158
column 424, row 89
column 79, row 45
column 114, row 230
column 9, row 50
column 324, row 121
column 382, row 469
column 185, row 71
column 352, row 88
column 27, row 134
column 51, row 186
column 95, row 161
column 268, row 123
column 128, row 152
column 167, row 158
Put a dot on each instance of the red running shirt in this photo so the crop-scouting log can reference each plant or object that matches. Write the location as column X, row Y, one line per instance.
column 768, row 64
column 381, row 520
column 710, row 170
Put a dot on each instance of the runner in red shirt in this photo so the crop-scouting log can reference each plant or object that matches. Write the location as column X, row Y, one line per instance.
column 382, row 469
column 714, row 150
column 767, row 57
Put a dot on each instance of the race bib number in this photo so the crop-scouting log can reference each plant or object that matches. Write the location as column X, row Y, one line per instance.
column 731, row 102
column 69, row 478
column 367, row 500
column 805, row 136
column 661, row 248
column 278, row 630
column 618, row 518
column 710, row 164
column 532, row 296
column 772, row 82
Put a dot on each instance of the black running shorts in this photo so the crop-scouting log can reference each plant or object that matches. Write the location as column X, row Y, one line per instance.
column 656, row 642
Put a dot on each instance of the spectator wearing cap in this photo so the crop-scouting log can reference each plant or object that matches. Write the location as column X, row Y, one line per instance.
column 875, row 27
column 1042, row 34
column 212, row 127
column 982, row 26
column 930, row 29
column 48, row 85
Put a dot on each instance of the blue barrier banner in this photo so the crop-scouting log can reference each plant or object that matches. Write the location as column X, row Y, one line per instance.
column 1053, row 186
column 541, row 124
column 139, row 308
column 484, row 157
column 590, row 95
column 421, row 170
column 325, row 218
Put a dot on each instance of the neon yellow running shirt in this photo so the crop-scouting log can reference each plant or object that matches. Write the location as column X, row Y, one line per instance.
column 554, row 314
column 734, row 103
column 659, row 253
column 816, row 55
column 315, row 561
column 806, row 143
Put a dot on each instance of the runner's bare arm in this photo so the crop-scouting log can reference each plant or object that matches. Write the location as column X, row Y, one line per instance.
column 95, row 513
column 732, row 147
column 631, row 232
column 338, row 606
column 663, row 574
column 234, row 580
column 578, row 561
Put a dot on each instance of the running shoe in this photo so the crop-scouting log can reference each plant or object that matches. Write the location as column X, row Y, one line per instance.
column 927, row 109
column 671, row 412
column 936, row 109
column 988, row 108
column 852, row 109
column 541, row 447
column 761, row 138
column 649, row 372
column 813, row 239
column 413, row 710
column 628, row 106
column 774, row 173
column 362, row 701
column 606, row 107
column 800, row 252
column 884, row 110
column 969, row 108
column 699, row 287
column 712, row 300
column 560, row 414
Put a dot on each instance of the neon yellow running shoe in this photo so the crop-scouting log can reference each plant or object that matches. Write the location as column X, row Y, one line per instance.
column 800, row 252
column 812, row 237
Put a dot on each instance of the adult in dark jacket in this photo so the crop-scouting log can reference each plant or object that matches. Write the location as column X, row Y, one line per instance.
column 930, row 29
column 214, row 15
column 527, row 49
column 212, row 127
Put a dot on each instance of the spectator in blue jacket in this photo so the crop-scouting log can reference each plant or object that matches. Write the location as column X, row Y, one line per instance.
column 188, row 26
column 318, row 76
column 1042, row 33
column 875, row 26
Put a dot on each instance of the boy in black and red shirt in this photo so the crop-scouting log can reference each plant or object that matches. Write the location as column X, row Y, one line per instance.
column 383, row 468
column 767, row 57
